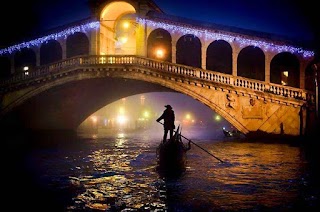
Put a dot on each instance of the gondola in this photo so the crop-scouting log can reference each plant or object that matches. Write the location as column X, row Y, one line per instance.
column 171, row 155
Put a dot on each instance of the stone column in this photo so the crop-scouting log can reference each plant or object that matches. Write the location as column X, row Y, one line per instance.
column 94, row 42
column 37, row 52
column 204, row 47
column 174, row 49
column 267, row 62
column 63, row 43
column 235, row 52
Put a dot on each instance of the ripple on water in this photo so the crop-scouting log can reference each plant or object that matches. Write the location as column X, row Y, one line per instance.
column 113, row 174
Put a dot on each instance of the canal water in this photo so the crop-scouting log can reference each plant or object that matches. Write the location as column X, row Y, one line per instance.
column 117, row 172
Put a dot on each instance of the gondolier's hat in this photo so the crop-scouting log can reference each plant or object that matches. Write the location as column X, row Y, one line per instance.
column 168, row 106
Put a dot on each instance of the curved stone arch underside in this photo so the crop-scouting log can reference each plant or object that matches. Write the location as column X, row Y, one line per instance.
column 246, row 112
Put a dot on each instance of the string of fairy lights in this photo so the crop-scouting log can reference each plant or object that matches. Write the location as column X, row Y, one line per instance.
column 55, row 36
column 172, row 28
column 209, row 35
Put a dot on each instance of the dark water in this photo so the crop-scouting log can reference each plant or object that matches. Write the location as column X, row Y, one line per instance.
column 118, row 173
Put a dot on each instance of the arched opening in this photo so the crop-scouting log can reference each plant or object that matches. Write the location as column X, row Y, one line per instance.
column 50, row 52
column 77, row 44
column 310, row 84
column 251, row 63
column 284, row 70
column 117, row 29
column 219, row 57
column 159, row 45
column 189, row 51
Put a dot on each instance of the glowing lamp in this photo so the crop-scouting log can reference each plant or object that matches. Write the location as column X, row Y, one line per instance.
column 121, row 119
column 159, row 53
column 126, row 25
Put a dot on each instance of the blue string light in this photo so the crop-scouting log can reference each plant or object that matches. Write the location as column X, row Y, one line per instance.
column 205, row 34
column 243, row 41
column 63, row 34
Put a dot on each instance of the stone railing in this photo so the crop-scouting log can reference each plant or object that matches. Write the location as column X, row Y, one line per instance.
column 161, row 67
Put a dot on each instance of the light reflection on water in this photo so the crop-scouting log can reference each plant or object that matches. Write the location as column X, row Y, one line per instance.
column 126, row 177
column 118, row 173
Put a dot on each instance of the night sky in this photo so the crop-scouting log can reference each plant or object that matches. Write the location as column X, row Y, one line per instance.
column 288, row 18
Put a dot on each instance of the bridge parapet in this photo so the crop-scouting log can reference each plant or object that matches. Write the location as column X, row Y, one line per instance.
column 207, row 76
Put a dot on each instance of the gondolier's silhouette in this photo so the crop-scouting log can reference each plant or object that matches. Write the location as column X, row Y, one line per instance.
column 168, row 124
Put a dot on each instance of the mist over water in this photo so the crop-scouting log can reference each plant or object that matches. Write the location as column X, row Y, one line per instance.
column 117, row 172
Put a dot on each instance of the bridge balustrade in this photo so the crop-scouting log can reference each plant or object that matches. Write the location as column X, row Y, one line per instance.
column 160, row 66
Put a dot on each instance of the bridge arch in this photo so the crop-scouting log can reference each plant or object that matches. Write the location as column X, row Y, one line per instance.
column 50, row 52
column 189, row 51
column 111, row 32
column 112, row 10
column 219, row 57
column 251, row 63
column 160, row 42
column 77, row 44
column 284, row 70
column 310, row 77
column 60, row 105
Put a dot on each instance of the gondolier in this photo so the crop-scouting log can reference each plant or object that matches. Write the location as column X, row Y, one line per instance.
column 168, row 117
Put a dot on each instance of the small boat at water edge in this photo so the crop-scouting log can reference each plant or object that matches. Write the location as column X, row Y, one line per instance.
column 231, row 133
column 171, row 155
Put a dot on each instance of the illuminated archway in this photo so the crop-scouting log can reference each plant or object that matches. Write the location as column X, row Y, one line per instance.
column 110, row 40
column 159, row 45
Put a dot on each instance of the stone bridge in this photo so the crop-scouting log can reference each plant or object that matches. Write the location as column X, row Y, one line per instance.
column 260, row 85
column 249, row 105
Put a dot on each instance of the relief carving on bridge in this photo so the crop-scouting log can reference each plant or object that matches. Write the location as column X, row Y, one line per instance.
column 231, row 101
column 252, row 109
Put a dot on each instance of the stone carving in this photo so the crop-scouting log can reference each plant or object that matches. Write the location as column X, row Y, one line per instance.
column 252, row 102
column 253, row 110
column 231, row 103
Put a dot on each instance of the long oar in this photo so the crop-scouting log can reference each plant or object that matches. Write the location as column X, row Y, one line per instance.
column 199, row 146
